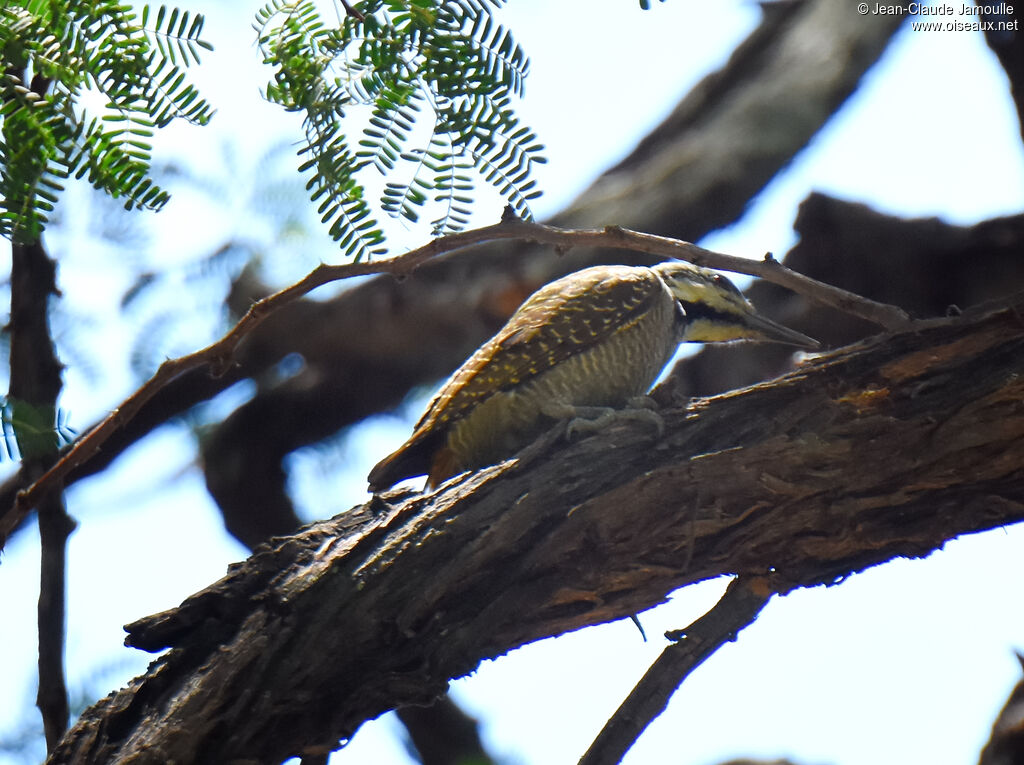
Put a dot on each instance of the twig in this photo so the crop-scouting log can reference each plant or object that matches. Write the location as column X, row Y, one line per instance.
column 738, row 607
column 219, row 355
column 55, row 526
column 353, row 12
column 886, row 316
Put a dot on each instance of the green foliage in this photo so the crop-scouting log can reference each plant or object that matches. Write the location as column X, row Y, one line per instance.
column 31, row 431
column 437, row 78
column 57, row 53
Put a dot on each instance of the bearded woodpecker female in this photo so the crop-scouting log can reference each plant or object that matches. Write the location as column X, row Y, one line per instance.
column 592, row 341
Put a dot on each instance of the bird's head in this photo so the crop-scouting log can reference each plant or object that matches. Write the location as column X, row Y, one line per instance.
column 717, row 312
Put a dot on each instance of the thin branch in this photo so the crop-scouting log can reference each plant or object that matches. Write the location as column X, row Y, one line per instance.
column 888, row 317
column 55, row 526
column 738, row 608
column 353, row 12
column 35, row 385
column 218, row 356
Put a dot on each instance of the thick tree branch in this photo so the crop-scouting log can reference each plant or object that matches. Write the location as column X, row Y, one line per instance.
column 889, row 448
column 730, row 136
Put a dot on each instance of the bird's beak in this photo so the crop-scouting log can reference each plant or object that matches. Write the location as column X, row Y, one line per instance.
column 777, row 333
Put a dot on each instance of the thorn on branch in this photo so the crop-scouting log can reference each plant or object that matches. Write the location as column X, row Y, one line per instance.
column 636, row 620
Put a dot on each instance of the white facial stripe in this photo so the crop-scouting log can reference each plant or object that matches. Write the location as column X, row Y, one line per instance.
column 692, row 285
column 707, row 331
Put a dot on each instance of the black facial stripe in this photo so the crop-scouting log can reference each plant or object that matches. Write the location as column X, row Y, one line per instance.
column 696, row 311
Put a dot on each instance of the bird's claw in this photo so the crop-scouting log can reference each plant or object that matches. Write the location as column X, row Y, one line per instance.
column 590, row 419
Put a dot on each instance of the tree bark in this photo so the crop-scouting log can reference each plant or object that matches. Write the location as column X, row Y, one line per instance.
column 887, row 448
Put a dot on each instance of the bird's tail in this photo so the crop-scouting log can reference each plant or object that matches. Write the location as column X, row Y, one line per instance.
column 414, row 457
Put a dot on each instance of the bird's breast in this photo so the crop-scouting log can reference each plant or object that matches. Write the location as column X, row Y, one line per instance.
column 609, row 373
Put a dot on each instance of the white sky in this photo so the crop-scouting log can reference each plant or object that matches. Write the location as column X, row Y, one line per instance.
column 908, row 662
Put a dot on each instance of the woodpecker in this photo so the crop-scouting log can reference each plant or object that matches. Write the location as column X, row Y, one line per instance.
column 584, row 345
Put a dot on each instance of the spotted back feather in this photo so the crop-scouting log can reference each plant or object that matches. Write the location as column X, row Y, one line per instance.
column 558, row 321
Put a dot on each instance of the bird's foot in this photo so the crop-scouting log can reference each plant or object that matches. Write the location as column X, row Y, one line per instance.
column 642, row 402
column 590, row 419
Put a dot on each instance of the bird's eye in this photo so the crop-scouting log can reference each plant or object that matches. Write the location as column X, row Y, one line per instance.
column 725, row 284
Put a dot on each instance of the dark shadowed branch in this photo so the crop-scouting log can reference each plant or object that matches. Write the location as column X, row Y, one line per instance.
column 737, row 609
column 34, row 389
column 443, row 734
column 925, row 265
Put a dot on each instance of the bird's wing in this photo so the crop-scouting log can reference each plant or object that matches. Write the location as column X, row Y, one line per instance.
column 558, row 321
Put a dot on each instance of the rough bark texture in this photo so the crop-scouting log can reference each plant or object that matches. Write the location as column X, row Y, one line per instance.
column 888, row 448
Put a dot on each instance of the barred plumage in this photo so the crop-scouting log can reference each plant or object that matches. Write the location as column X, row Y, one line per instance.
column 595, row 338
